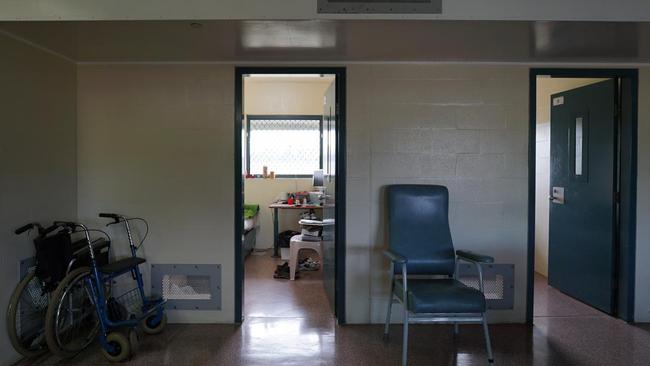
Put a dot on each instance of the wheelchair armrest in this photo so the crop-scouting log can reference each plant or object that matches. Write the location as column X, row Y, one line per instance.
column 395, row 257
column 474, row 257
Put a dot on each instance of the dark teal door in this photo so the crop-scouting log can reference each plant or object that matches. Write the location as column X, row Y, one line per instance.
column 582, row 209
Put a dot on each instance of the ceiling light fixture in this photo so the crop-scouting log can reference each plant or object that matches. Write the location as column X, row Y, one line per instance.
column 196, row 25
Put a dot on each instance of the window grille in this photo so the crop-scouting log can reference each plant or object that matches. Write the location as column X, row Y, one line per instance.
column 288, row 145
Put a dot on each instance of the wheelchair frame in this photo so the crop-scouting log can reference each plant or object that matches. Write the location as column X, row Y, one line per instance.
column 97, row 282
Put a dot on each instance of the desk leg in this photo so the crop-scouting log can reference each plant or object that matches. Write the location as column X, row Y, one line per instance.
column 276, row 234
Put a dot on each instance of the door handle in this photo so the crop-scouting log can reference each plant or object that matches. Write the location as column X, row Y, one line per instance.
column 557, row 195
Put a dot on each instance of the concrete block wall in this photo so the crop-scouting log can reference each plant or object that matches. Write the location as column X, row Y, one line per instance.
column 465, row 127
column 156, row 141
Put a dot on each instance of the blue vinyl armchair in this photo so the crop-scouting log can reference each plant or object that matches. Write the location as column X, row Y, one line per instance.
column 420, row 245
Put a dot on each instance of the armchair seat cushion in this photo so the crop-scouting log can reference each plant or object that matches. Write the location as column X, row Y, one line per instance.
column 441, row 296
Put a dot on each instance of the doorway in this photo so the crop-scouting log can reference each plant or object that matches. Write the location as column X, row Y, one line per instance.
column 290, row 192
column 582, row 193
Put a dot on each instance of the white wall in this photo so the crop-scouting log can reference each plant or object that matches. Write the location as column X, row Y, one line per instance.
column 290, row 95
column 545, row 88
column 642, row 303
column 37, row 156
column 464, row 126
column 461, row 126
column 156, row 141
column 303, row 9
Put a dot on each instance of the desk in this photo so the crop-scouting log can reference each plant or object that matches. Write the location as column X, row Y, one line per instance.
column 276, row 210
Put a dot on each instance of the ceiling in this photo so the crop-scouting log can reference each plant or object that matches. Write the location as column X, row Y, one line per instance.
column 340, row 40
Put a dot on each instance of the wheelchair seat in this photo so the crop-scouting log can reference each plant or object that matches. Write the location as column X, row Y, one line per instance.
column 441, row 296
column 121, row 266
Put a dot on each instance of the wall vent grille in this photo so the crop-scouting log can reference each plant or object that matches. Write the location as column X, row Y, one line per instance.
column 498, row 281
column 380, row 6
column 188, row 286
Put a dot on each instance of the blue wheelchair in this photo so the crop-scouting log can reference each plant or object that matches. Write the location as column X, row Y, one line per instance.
column 125, row 311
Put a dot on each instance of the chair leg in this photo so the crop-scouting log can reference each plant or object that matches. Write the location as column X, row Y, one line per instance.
column 293, row 262
column 405, row 345
column 390, row 305
column 488, row 344
column 390, row 302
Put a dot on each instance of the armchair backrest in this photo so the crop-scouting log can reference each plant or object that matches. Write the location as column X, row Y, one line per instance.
column 418, row 228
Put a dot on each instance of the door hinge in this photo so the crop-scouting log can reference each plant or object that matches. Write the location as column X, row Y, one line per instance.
column 617, row 197
column 338, row 111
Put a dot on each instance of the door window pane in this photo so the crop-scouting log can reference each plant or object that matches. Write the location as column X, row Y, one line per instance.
column 285, row 146
column 578, row 146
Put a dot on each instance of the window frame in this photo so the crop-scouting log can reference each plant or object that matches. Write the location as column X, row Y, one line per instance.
column 279, row 117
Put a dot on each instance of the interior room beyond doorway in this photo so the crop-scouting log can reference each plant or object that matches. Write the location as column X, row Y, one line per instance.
column 286, row 157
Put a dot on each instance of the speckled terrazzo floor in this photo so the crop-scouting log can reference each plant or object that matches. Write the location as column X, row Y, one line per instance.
column 550, row 302
column 289, row 333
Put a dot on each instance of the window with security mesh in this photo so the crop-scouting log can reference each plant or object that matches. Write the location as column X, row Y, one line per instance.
column 287, row 145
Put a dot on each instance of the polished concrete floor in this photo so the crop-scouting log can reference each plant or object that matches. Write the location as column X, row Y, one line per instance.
column 265, row 296
column 288, row 324
column 550, row 302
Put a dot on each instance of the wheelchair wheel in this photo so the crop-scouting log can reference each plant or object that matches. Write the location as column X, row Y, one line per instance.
column 121, row 347
column 150, row 326
column 71, row 322
column 26, row 317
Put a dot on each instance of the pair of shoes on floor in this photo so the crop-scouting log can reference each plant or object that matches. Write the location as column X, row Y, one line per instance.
column 282, row 271
column 309, row 215
column 309, row 264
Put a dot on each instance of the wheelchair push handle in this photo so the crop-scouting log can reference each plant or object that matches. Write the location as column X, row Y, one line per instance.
column 116, row 218
column 41, row 230
column 24, row 228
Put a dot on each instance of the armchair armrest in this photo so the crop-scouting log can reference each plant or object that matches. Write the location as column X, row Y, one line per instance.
column 395, row 257
column 474, row 257
column 477, row 260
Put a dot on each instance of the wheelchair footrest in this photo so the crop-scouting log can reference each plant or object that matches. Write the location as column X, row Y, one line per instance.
column 122, row 265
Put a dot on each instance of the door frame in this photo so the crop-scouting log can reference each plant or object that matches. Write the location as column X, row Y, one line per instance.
column 627, row 149
column 340, row 178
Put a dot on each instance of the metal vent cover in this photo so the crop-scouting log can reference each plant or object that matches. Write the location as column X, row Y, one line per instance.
column 188, row 286
column 498, row 280
column 380, row 6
